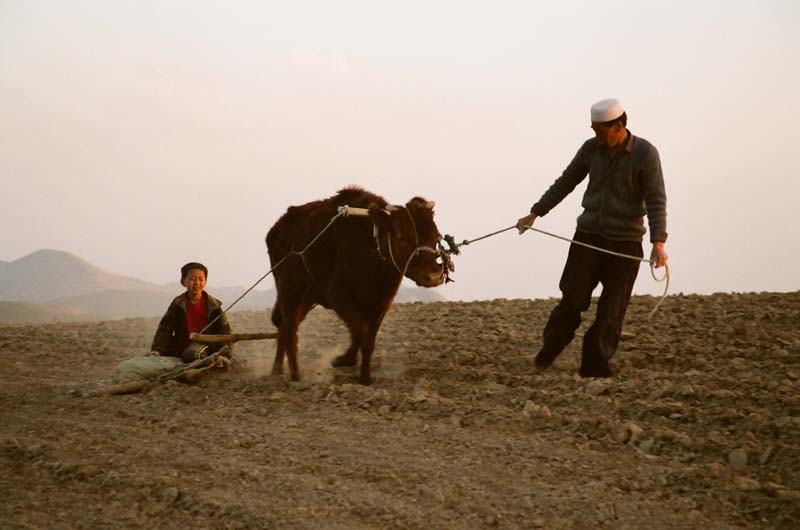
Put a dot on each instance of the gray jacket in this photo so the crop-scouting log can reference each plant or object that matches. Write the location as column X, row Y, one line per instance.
column 620, row 191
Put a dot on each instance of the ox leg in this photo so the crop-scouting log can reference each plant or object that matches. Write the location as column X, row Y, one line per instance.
column 291, row 346
column 280, row 348
column 348, row 358
column 355, row 323
column 287, row 337
column 277, row 364
column 368, row 346
column 287, row 340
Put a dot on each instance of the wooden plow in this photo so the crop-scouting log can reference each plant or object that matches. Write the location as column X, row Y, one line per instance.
column 230, row 339
column 187, row 372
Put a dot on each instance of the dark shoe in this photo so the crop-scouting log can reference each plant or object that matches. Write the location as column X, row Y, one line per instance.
column 595, row 369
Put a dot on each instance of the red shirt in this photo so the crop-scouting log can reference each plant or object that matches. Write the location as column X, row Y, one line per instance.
column 196, row 317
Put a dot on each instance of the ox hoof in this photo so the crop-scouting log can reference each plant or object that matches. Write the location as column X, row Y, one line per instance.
column 366, row 381
column 277, row 371
column 343, row 360
column 543, row 361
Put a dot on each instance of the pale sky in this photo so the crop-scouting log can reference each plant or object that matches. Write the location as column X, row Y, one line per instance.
column 140, row 135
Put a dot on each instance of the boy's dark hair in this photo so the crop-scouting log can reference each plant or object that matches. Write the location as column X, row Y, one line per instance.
column 192, row 265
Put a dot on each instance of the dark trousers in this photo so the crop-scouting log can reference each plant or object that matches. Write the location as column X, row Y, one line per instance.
column 585, row 268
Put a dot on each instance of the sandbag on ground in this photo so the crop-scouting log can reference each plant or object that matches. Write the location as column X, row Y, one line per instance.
column 144, row 367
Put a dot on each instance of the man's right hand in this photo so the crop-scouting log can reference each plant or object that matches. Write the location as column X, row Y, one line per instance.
column 526, row 222
column 154, row 353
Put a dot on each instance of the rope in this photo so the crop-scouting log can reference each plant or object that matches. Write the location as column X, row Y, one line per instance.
column 341, row 213
column 664, row 278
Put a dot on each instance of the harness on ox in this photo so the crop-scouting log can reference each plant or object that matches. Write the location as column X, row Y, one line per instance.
column 447, row 263
column 347, row 211
column 441, row 251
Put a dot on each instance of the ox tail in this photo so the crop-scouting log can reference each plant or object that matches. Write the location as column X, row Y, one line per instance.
column 277, row 317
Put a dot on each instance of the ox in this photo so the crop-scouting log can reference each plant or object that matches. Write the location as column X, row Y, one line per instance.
column 354, row 268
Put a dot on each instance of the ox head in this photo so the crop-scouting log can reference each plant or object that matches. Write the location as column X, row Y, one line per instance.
column 408, row 236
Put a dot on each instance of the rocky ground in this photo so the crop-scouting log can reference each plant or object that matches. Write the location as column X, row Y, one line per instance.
column 700, row 428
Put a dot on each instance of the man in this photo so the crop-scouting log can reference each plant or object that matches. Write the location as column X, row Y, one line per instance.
column 189, row 313
column 625, row 183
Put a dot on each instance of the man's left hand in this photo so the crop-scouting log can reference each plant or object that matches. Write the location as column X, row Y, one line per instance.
column 658, row 255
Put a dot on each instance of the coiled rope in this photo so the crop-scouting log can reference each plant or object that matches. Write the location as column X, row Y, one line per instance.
column 665, row 278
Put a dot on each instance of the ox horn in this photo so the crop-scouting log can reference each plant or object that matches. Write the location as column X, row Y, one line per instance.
column 430, row 205
column 392, row 208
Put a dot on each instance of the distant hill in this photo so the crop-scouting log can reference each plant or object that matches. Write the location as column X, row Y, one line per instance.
column 27, row 312
column 55, row 285
column 47, row 275
column 119, row 304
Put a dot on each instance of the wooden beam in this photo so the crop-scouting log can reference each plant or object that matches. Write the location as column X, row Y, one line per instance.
column 235, row 337
column 357, row 212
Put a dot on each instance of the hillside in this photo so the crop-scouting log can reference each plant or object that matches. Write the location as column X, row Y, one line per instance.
column 119, row 304
column 15, row 312
column 47, row 275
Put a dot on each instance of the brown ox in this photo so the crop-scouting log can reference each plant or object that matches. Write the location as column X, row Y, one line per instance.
column 354, row 268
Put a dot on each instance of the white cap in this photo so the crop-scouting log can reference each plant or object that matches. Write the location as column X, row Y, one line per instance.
column 606, row 110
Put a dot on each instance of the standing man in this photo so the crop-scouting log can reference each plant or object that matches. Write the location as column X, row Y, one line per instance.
column 625, row 183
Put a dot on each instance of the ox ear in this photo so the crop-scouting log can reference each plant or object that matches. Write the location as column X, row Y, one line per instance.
column 380, row 217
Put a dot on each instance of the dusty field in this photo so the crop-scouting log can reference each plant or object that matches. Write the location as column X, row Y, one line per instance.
column 700, row 428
